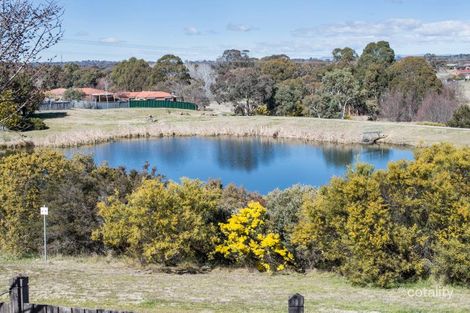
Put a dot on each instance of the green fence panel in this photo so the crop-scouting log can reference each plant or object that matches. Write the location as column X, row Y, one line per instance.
column 162, row 104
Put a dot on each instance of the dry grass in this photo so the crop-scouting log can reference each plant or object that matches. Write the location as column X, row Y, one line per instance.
column 79, row 127
column 110, row 283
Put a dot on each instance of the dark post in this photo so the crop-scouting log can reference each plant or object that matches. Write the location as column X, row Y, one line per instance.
column 296, row 304
column 19, row 294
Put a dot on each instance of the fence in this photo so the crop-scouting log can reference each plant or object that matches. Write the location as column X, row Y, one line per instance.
column 162, row 104
column 67, row 105
column 19, row 302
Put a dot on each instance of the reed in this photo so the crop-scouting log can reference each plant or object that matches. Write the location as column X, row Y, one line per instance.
column 82, row 127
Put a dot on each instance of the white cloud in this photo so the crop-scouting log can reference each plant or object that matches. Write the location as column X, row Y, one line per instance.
column 240, row 28
column 399, row 30
column 110, row 40
column 192, row 31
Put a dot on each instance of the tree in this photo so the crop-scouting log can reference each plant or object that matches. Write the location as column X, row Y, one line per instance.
column 24, row 97
column 170, row 67
column 192, row 91
column 461, row 117
column 413, row 76
column 410, row 80
column 280, row 68
column 288, row 97
column 72, row 94
column 232, row 59
column 338, row 93
column 344, row 57
column 372, row 68
column 27, row 29
column 8, row 108
column 70, row 75
column 131, row 75
column 88, row 77
column 52, row 77
column 439, row 107
column 246, row 88
column 376, row 53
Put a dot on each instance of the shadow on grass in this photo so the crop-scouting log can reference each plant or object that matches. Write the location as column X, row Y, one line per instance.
column 50, row 115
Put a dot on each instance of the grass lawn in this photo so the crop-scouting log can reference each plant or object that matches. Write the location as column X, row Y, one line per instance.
column 80, row 126
column 98, row 282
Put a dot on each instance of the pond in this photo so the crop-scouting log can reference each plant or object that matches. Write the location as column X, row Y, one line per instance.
column 258, row 164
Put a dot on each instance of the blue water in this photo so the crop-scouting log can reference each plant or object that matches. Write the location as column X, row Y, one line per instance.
column 255, row 163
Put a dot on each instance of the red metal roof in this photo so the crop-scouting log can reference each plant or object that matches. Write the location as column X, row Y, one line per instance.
column 145, row 94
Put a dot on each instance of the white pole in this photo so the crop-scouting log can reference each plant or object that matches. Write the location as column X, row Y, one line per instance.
column 45, row 211
column 45, row 240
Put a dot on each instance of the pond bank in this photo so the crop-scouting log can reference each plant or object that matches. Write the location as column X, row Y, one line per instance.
column 82, row 127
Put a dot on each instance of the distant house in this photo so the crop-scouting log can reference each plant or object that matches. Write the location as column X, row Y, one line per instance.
column 146, row 95
column 463, row 73
column 90, row 94
column 56, row 94
column 98, row 95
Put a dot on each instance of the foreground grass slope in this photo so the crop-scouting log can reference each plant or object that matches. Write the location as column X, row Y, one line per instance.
column 110, row 283
column 77, row 127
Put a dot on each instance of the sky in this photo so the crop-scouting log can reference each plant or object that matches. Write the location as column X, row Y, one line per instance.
column 202, row 29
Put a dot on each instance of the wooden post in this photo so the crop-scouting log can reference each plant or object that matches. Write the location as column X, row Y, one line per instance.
column 19, row 294
column 296, row 304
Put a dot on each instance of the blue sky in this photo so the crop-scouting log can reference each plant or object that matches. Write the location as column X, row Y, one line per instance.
column 202, row 29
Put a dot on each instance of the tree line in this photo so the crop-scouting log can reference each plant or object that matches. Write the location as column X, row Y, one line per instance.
column 375, row 227
column 374, row 84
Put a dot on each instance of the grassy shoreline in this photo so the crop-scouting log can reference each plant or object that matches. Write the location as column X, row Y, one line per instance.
column 111, row 283
column 80, row 127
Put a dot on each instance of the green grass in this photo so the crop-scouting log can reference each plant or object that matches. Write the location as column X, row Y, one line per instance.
column 78, row 127
column 99, row 282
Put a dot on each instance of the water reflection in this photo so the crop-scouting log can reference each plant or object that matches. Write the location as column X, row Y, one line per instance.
column 247, row 154
column 343, row 155
column 338, row 156
column 258, row 164
column 171, row 151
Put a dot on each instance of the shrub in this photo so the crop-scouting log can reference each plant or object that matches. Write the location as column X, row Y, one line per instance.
column 452, row 262
column 383, row 227
column 461, row 117
column 234, row 197
column 23, row 177
column 162, row 223
column 438, row 107
column 70, row 188
column 284, row 207
column 10, row 118
column 37, row 124
column 248, row 241
column 398, row 107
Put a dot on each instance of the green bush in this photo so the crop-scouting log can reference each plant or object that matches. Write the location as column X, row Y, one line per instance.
column 384, row 227
column 284, row 206
column 162, row 223
column 37, row 124
column 461, row 117
column 452, row 262
column 70, row 188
